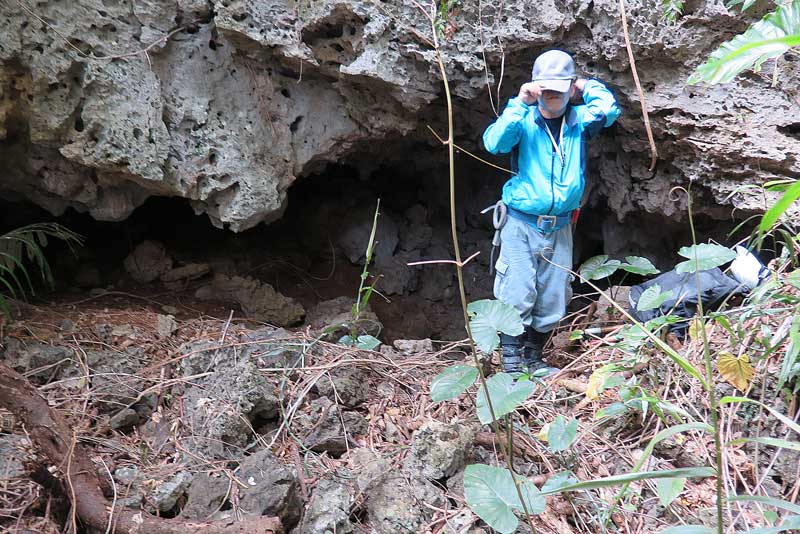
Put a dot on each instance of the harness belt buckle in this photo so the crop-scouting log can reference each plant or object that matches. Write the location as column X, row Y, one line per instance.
column 546, row 222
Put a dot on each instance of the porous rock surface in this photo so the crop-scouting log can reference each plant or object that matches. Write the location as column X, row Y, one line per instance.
column 221, row 405
column 245, row 97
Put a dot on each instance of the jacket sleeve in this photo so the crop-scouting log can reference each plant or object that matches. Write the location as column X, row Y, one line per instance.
column 601, row 108
column 504, row 133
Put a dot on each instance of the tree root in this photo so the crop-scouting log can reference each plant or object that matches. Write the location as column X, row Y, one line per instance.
column 55, row 440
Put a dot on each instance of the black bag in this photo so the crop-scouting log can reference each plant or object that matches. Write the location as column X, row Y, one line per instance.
column 715, row 287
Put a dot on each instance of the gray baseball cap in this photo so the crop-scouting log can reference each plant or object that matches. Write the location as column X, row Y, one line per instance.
column 554, row 70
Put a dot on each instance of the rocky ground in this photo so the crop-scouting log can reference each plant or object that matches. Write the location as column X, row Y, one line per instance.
column 194, row 414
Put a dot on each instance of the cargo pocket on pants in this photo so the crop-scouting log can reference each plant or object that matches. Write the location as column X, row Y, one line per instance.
column 500, row 268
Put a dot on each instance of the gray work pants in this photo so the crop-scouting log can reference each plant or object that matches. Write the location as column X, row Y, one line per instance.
column 531, row 273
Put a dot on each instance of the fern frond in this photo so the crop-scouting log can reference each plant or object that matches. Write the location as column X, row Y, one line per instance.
column 27, row 244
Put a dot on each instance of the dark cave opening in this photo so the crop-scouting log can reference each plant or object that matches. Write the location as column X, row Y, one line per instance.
column 314, row 252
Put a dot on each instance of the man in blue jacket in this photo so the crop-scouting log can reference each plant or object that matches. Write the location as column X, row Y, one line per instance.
column 548, row 137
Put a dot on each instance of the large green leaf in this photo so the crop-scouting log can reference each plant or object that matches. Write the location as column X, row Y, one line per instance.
column 489, row 317
column 709, row 255
column 598, row 267
column 685, row 472
column 561, row 433
column 558, row 481
column 452, row 381
column 506, row 395
column 491, row 494
column 780, row 207
column 770, row 37
column 367, row 342
column 668, row 489
column 638, row 265
column 652, row 298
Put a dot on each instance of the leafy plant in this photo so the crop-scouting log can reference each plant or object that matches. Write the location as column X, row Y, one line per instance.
column 25, row 246
column 652, row 298
column 671, row 10
column 490, row 316
column 598, row 267
column 490, row 493
column 703, row 257
column 768, row 38
column 505, row 393
column 736, row 370
column 561, row 433
column 452, row 382
column 789, row 197
column 353, row 338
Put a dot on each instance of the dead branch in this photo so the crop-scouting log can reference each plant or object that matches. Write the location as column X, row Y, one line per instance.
column 53, row 437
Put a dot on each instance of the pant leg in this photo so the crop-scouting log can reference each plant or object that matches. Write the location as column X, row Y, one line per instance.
column 553, row 280
column 515, row 278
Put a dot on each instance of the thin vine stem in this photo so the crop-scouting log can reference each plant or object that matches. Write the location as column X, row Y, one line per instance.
column 712, row 394
column 460, row 273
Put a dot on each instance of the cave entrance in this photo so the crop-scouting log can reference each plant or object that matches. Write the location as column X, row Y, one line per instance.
column 315, row 251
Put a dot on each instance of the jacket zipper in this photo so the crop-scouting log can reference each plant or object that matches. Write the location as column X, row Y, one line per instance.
column 552, row 186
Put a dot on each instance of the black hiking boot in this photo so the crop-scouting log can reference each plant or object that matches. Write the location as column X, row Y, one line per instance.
column 512, row 355
column 532, row 353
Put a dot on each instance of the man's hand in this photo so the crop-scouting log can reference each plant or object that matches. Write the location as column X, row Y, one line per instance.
column 530, row 92
column 577, row 95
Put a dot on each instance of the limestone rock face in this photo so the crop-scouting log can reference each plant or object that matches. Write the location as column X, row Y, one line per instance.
column 227, row 102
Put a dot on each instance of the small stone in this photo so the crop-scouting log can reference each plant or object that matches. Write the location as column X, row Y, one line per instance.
column 122, row 330
column 385, row 389
column 370, row 468
column 258, row 300
column 166, row 325
column 146, row 405
column 329, row 510
column 460, row 522
column 103, row 331
column 220, row 406
column 455, row 484
column 272, row 488
column 205, row 496
column 66, row 326
column 346, row 385
column 329, row 435
column 413, row 346
column 126, row 475
column 148, row 261
column 28, row 357
column 440, row 450
column 124, row 419
column 166, row 496
column 393, row 504
column 172, row 310
column 191, row 271
column 13, row 456
column 134, row 502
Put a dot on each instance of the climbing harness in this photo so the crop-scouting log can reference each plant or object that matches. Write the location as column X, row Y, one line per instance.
column 499, row 216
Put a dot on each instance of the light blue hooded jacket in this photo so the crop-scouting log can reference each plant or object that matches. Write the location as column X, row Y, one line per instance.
column 542, row 185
